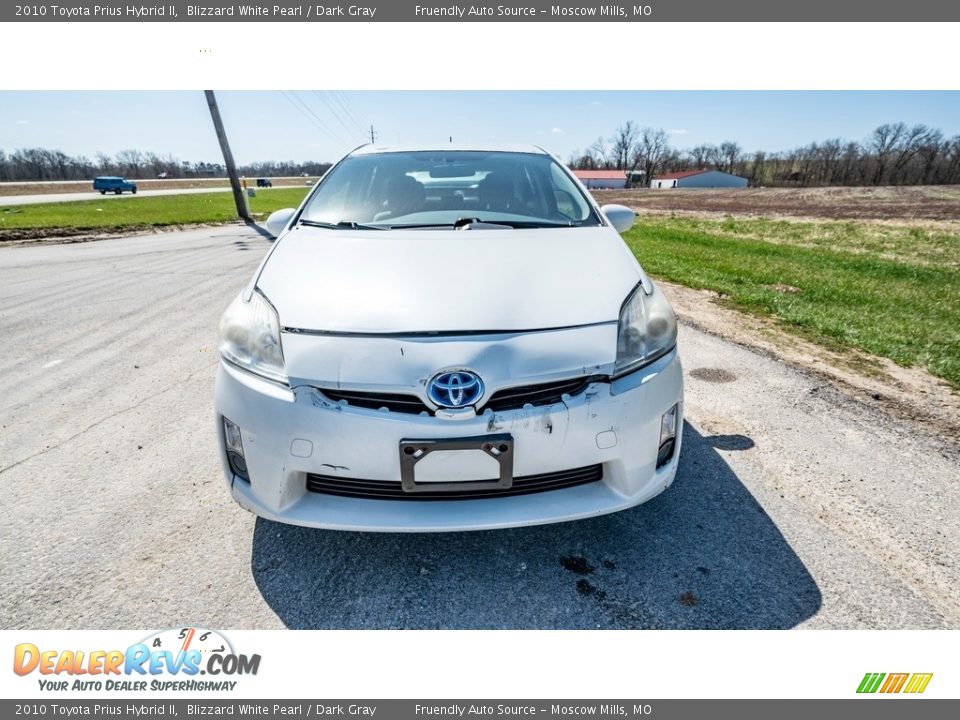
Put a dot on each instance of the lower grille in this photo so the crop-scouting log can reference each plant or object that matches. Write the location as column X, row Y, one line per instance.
column 391, row 490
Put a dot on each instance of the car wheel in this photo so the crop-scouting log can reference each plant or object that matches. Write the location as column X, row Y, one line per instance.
column 134, row 191
column 118, row 192
column 103, row 192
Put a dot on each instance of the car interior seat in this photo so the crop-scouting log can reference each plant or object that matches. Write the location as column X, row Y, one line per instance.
column 497, row 193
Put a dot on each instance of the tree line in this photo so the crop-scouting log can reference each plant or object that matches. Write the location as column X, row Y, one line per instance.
column 44, row 164
column 893, row 154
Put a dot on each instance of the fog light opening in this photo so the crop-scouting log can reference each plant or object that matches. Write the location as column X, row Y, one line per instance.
column 668, row 435
column 234, row 445
column 665, row 452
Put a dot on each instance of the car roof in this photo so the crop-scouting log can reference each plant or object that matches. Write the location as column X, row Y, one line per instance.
column 371, row 149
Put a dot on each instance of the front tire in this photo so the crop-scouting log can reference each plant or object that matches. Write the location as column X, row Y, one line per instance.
column 103, row 192
column 134, row 191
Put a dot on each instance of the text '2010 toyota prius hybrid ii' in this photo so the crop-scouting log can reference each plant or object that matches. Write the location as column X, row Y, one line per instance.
column 448, row 340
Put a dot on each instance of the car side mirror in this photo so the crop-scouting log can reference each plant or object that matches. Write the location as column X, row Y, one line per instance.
column 619, row 216
column 278, row 220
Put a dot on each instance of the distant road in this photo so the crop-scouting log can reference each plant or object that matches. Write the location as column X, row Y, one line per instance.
column 7, row 200
column 43, row 191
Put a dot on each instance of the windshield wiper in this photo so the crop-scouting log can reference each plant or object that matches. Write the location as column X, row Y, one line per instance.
column 469, row 222
column 342, row 225
column 533, row 224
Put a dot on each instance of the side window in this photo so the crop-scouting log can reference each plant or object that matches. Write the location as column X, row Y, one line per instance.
column 565, row 204
column 569, row 201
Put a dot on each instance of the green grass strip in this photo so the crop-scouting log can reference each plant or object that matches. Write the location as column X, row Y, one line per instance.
column 898, row 304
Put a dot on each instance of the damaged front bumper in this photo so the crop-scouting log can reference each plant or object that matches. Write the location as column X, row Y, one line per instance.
column 290, row 434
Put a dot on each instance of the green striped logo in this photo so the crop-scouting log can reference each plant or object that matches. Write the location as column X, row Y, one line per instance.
column 910, row 683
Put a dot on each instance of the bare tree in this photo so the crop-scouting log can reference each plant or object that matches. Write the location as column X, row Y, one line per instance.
column 129, row 161
column 698, row 156
column 622, row 144
column 910, row 142
column 929, row 152
column 598, row 151
column 883, row 142
column 730, row 155
column 757, row 168
column 649, row 154
column 715, row 157
column 951, row 161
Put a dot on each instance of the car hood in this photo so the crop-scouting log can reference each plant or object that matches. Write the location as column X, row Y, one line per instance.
column 410, row 281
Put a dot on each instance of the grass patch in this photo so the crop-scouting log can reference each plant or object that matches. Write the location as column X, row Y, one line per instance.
column 893, row 291
column 133, row 212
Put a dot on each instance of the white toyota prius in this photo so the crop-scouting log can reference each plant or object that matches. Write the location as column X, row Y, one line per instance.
column 448, row 339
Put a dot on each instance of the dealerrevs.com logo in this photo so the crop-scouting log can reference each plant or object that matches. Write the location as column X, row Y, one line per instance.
column 166, row 660
column 892, row 683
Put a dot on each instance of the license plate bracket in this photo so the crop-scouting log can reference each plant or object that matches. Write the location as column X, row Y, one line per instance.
column 498, row 446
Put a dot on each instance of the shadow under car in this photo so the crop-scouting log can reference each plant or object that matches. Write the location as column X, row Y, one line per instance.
column 704, row 554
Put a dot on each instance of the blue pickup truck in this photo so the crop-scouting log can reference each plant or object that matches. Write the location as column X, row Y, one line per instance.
column 108, row 183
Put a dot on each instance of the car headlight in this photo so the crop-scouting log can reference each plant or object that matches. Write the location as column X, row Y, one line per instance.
column 648, row 330
column 250, row 337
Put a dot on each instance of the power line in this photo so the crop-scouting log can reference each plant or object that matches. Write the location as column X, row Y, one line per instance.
column 348, row 107
column 341, row 111
column 308, row 113
column 330, row 129
column 351, row 131
column 344, row 101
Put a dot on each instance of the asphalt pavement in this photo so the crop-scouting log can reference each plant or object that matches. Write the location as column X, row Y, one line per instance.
column 794, row 505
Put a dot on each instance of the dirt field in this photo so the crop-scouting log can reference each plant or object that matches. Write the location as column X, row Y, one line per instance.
column 933, row 202
column 53, row 188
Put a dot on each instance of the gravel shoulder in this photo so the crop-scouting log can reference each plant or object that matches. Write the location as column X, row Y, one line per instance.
column 909, row 394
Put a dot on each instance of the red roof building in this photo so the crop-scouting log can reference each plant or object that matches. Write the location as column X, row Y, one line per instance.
column 602, row 179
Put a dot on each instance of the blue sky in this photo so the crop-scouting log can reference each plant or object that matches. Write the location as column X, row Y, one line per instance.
column 310, row 125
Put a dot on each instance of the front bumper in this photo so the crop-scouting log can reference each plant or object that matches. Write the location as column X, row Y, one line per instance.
column 288, row 434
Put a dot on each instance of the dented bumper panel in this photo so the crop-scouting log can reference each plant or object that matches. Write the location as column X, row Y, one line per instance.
column 406, row 364
column 289, row 433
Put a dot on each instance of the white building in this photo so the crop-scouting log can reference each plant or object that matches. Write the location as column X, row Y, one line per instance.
column 609, row 179
column 602, row 179
column 698, row 179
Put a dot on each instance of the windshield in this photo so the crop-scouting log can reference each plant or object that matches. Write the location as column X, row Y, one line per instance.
column 448, row 189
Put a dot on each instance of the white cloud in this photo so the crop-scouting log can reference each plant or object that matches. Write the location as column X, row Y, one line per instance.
column 677, row 131
column 556, row 131
column 23, row 122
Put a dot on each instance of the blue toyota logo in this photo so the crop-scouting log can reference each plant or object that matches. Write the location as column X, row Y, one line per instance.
column 455, row 389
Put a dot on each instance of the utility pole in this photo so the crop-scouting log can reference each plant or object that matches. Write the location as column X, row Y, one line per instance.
column 238, row 197
column 373, row 135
